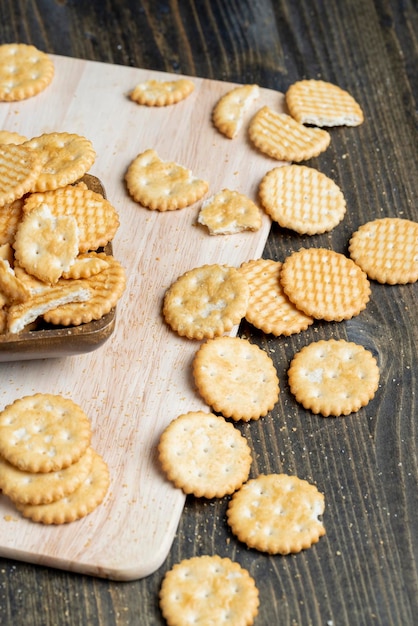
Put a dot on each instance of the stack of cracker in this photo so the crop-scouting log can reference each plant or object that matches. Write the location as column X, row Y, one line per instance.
column 48, row 467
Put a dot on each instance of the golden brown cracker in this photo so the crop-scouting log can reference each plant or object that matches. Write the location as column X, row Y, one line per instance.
column 160, row 93
column 19, row 170
column 43, row 432
column 387, row 250
column 281, row 137
column 208, row 590
column 321, row 103
column 325, row 284
column 228, row 212
column 302, row 199
column 206, row 301
column 333, row 377
column 25, row 71
column 277, row 514
column 269, row 309
column 203, row 454
column 229, row 112
column 162, row 185
column 236, row 378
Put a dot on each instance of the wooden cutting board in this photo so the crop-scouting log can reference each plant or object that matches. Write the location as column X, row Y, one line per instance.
column 140, row 379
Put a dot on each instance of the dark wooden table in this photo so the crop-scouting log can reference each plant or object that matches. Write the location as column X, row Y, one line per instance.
column 363, row 572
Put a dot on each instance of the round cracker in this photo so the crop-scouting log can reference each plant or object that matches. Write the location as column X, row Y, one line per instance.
column 25, row 71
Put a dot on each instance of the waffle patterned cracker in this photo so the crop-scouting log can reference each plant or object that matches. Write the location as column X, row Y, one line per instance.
column 46, row 245
column 96, row 218
column 204, row 455
column 325, row 284
column 161, row 185
column 333, row 377
column 302, row 199
column 206, row 301
column 43, row 487
column 277, row 514
column 43, row 433
column 10, row 216
column 281, row 137
column 20, row 168
column 25, row 71
column 269, row 309
column 236, row 378
column 79, row 503
column 8, row 137
column 208, row 590
column 229, row 212
column 66, row 158
column 160, row 93
column 105, row 287
column 229, row 112
column 322, row 104
column 387, row 250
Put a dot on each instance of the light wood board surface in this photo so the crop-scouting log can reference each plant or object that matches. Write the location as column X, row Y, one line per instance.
column 138, row 381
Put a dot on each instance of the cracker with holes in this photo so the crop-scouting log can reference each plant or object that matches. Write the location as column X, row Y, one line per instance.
column 283, row 138
column 66, row 158
column 333, row 377
column 277, row 514
column 162, row 185
column 160, row 93
column 20, row 168
column 104, row 288
column 206, row 301
column 325, row 284
column 229, row 212
column 387, row 250
column 203, row 454
column 43, row 432
column 208, row 590
column 236, row 378
column 321, row 103
column 269, row 309
column 46, row 245
column 302, row 199
column 43, row 487
column 229, row 112
column 97, row 219
column 25, row 71
column 76, row 505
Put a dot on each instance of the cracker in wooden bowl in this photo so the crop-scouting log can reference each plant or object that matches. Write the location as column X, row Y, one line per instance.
column 302, row 199
column 236, row 378
column 20, row 168
column 321, row 103
column 162, row 185
column 387, row 250
column 333, row 377
column 208, row 590
column 206, row 301
column 25, row 71
column 10, row 216
column 203, row 454
column 228, row 212
column 283, row 138
column 325, row 284
column 160, row 93
column 277, row 514
column 269, row 309
column 229, row 112
column 66, row 158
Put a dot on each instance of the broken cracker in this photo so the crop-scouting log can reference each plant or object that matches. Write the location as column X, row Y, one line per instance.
column 229, row 212
column 229, row 112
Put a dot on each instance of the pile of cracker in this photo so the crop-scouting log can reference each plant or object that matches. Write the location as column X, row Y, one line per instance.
column 48, row 467
column 53, row 229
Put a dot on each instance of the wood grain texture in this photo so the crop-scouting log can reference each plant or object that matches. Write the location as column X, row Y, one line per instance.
column 364, row 570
